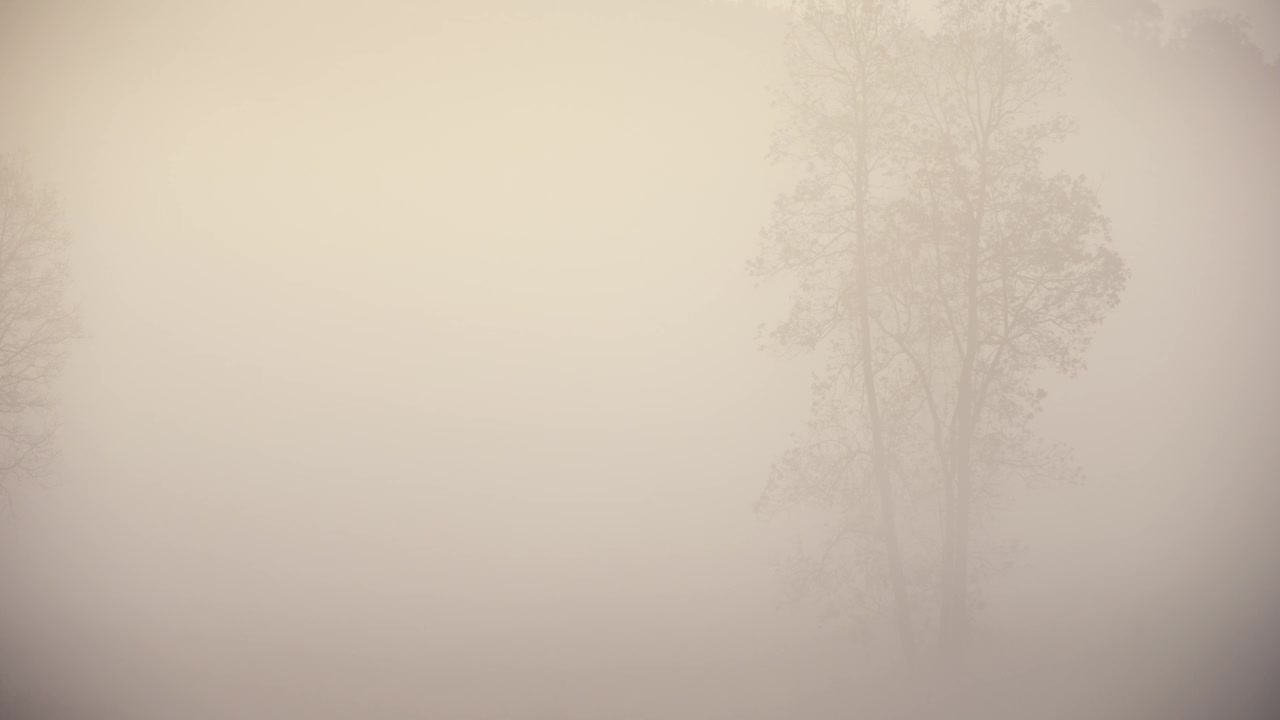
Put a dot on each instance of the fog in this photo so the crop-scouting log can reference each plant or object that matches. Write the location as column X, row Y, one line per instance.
column 421, row 376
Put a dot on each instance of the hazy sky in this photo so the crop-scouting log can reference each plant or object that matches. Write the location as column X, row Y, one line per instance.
column 421, row 362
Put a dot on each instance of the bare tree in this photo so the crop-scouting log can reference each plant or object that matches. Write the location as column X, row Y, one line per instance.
column 35, row 320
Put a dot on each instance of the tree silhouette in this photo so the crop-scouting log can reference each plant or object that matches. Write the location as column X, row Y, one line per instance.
column 1020, row 259
column 35, row 322
column 948, row 286
column 845, row 110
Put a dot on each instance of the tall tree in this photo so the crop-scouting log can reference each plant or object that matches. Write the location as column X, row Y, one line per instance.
column 941, row 263
column 844, row 106
column 1016, row 260
column 35, row 320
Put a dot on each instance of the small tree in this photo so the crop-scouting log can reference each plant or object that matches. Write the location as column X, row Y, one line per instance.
column 35, row 321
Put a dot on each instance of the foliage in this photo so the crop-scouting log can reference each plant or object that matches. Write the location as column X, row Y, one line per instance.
column 924, row 211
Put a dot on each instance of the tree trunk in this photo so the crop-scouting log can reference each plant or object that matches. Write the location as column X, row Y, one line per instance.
column 897, row 576
column 954, row 620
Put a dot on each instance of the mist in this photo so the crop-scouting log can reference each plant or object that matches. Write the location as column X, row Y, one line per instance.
column 421, row 374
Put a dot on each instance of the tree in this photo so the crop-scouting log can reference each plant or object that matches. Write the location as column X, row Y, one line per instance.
column 939, row 257
column 1020, row 262
column 844, row 112
column 35, row 321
